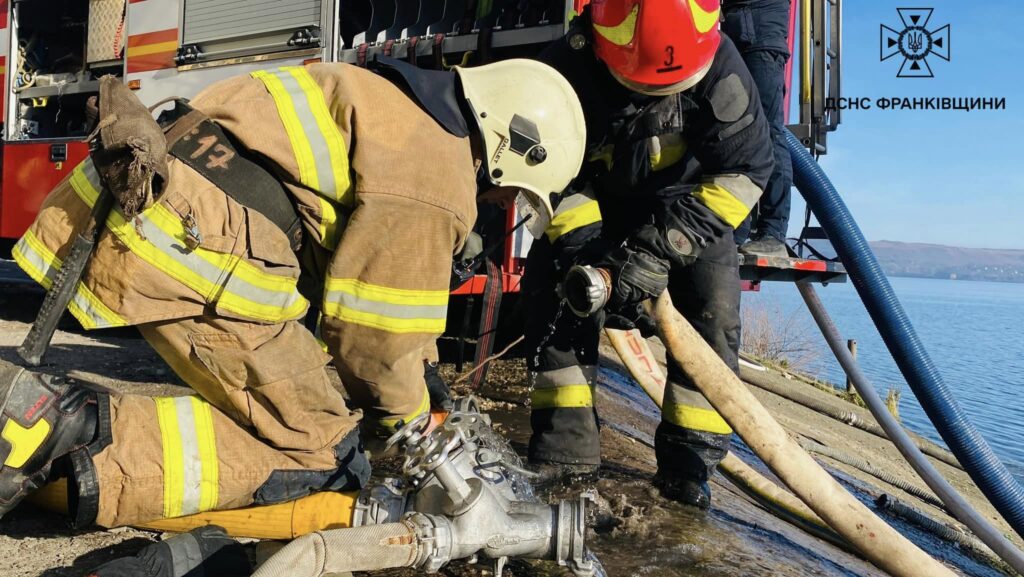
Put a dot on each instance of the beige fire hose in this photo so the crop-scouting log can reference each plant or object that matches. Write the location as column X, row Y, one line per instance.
column 639, row 360
column 880, row 543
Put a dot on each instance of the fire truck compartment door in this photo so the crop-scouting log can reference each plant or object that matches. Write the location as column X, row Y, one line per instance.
column 228, row 27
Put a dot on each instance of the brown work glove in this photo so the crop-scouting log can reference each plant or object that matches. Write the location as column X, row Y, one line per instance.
column 130, row 151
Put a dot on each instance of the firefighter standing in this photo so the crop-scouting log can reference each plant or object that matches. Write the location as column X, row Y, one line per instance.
column 678, row 153
column 760, row 30
column 383, row 172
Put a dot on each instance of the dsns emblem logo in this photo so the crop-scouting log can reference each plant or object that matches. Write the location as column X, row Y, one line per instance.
column 915, row 43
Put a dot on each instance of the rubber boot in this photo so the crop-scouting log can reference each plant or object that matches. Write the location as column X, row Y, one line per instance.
column 686, row 460
column 41, row 420
column 203, row 551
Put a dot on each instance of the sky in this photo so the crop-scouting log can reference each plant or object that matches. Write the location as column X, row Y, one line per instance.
column 944, row 177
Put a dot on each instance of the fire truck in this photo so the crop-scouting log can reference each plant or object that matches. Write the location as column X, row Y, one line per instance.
column 54, row 52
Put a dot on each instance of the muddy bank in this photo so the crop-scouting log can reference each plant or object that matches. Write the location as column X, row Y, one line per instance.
column 637, row 533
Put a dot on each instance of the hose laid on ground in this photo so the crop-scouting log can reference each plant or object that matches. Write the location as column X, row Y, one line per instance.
column 885, row 310
column 368, row 548
column 960, row 508
column 880, row 543
column 780, row 502
column 636, row 355
column 865, row 467
column 971, row 546
column 768, row 383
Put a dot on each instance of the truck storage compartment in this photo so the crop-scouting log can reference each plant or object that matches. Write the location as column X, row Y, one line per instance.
column 218, row 29
column 60, row 50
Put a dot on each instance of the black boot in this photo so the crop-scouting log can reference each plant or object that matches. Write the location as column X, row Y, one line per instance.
column 42, row 420
column 686, row 460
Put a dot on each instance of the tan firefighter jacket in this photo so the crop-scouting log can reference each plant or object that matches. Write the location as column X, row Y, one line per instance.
column 386, row 192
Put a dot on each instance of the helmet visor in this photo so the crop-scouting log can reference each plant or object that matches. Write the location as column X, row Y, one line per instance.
column 529, row 206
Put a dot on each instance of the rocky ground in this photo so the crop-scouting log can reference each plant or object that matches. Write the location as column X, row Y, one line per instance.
column 640, row 533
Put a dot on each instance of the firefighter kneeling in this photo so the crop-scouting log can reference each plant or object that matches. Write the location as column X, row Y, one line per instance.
column 376, row 176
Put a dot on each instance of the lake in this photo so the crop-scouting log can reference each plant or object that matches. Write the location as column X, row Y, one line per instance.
column 974, row 332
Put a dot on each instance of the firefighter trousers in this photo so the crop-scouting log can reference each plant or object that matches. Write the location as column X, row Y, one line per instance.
column 563, row 355
column 265, row 425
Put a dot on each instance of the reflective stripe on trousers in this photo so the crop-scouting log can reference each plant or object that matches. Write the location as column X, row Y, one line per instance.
column 689, row 409
column 227, row 280
column 386, row 308
column 189, row 455
column 566, row 388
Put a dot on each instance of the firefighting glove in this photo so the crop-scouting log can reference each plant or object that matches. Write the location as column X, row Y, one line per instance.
column 203, row 551
column 630, row 317
column 672, row 241
column 636, row 276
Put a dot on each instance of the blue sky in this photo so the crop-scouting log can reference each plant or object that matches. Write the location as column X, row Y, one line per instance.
column 946, row 177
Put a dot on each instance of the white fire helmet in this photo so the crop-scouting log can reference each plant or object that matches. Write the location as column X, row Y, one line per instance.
column 533, row 131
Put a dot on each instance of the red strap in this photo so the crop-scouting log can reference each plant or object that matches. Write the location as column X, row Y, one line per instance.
column 361, row 54
column 439, row 50
column 388, row 45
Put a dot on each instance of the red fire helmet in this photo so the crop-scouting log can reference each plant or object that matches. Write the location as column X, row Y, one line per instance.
column 656, row 47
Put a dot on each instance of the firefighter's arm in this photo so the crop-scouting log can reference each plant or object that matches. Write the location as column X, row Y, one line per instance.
column 575, row 224
column 386, row 299
column 731, row 140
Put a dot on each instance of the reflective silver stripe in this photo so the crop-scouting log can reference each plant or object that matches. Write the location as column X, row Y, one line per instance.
column 575, row 375
column 89, row 170
column 193, row 465
column 91, row 312
column 740, row 186
column 395, row 311
column 574, row 201
column 317, row 142
column 35, row 260
column 176, row 250
column 45, row 269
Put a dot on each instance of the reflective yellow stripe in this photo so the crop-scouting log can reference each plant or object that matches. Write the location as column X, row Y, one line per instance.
column 174, row 474
column 300, row 145
column 330, row 226
column 564, row 397
column 227, row 280
column 191, row 470
column 704, row 20
column 42, row 265
column 207, row 442
column 666, row 150
column 392, row 423
column 695, row 418
column 336, row 149
column 317, row 143
column 622, row 33
column 24, row 442
column 722, row 202
column 565, row 222
column 386, row 308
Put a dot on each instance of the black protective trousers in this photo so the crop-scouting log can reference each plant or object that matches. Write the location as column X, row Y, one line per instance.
column 563, row 354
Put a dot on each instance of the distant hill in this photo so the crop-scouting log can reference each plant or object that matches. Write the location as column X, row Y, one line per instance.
column 949, row 262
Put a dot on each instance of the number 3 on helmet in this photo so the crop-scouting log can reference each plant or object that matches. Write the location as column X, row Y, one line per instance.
column 656, row 47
